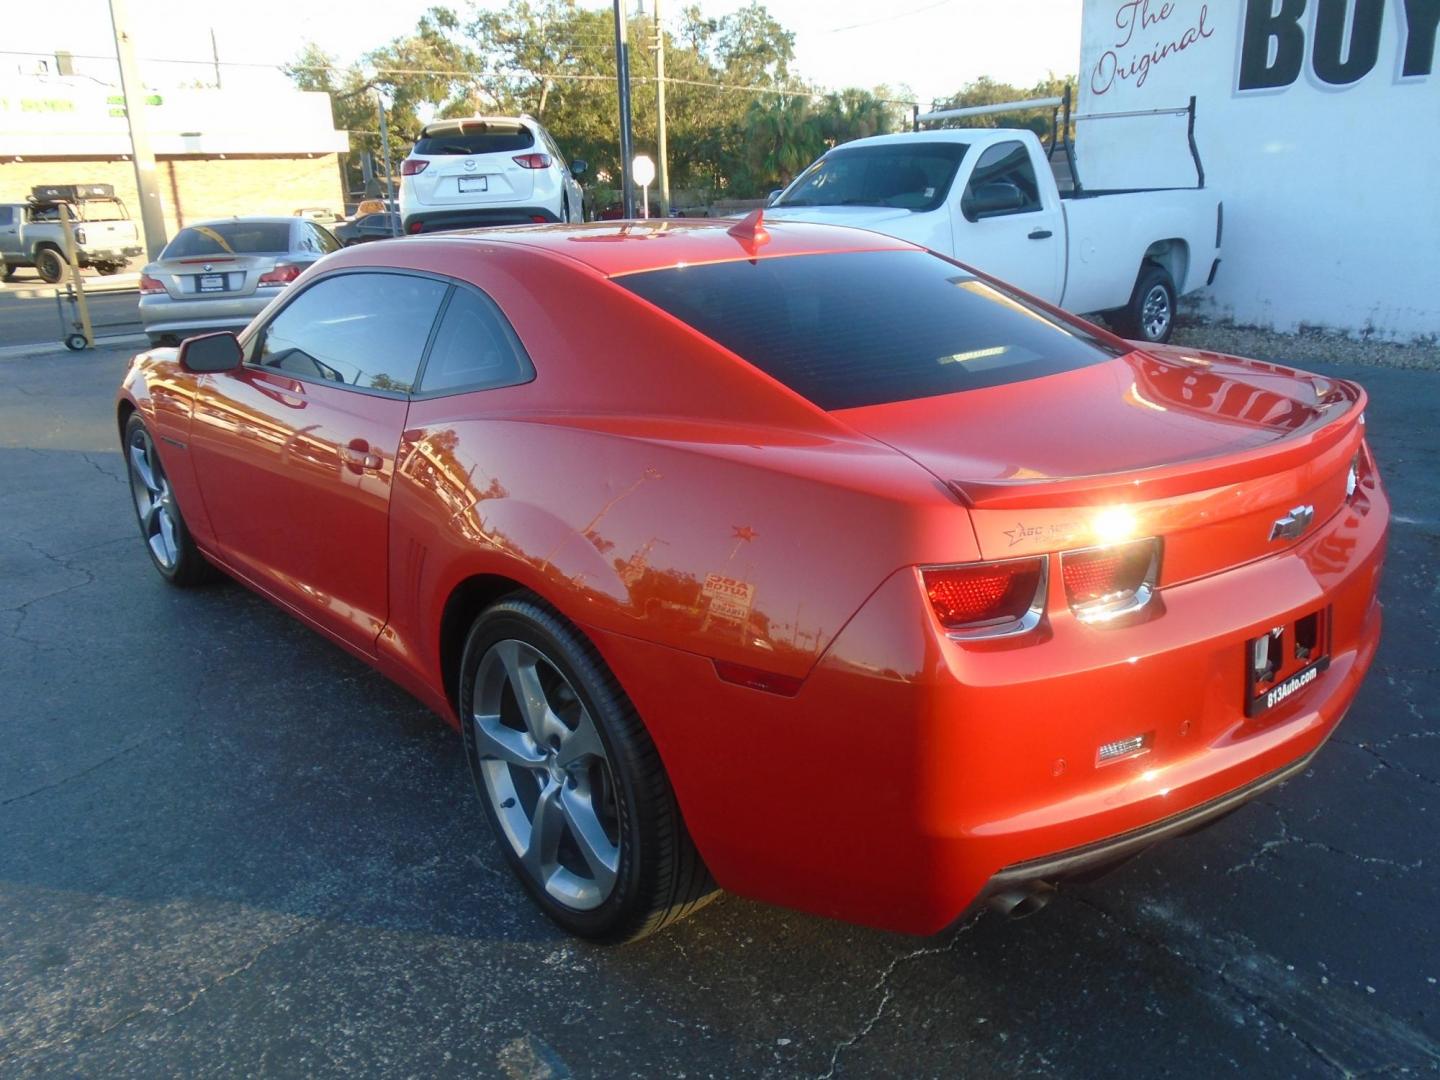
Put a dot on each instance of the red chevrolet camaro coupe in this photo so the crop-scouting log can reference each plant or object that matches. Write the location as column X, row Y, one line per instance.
column 803, row 563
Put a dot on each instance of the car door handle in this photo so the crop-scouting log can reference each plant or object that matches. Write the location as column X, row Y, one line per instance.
column 358, row 456
column 1041, row 234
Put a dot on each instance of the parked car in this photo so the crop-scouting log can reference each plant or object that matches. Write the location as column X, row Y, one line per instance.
column 218, row 275
column 988, row 196
column 854, row 578
column 366, row 227
column 487, row 170
column 31, row 233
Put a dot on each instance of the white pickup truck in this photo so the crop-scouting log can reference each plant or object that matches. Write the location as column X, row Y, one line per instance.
column 31, row 233
column 988, row 197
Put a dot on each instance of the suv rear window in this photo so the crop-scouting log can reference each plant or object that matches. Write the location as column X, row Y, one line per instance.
column 870, row 327
column 476, row 139
column 229, row 238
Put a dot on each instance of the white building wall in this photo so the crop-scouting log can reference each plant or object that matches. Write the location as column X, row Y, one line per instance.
column 1322, row 136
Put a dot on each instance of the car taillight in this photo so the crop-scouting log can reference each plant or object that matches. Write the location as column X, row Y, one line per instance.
column 532, row 161
column 281, row 275
column 413, row 166
column 1103, row 583
column 415, row 227
column 149, row 285
column 987, row 599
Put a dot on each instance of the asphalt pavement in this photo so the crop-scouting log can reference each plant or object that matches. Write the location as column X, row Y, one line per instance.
column 29, row 315
column 228, row 848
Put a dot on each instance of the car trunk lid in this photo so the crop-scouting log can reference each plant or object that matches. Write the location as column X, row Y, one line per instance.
column 212, row 276
column 1207, row 452
column 472, row 163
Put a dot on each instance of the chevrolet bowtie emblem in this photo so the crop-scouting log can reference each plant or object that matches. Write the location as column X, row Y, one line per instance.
column 1292, row 524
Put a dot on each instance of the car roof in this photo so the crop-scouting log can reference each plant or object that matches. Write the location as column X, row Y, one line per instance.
column 457, row 123
column 249, row 219
column 613, row 248
column 970, row 136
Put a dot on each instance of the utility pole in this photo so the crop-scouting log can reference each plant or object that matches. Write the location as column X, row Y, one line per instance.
column 215, row 55
column 660, row 111
column 152, row 213
column 390, row 206
column 622, row 76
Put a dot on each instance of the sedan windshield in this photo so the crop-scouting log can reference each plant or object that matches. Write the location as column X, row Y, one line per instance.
column 230, row 238
column 870, row 327
column 907, row 176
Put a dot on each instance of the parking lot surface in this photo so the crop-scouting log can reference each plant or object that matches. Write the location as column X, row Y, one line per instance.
column 226, row 847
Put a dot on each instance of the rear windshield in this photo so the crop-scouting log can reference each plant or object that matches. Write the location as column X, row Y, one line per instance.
column 906, row 176
column 477, row 139
column 230, row 238
column 866, row 328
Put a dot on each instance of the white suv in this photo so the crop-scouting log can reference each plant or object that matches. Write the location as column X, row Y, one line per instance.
column 487, row 170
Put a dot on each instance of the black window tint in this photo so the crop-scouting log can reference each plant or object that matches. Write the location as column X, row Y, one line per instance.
column 475, row 348
column 326, row 240
column 230, row 238
column 476, row 139
column 1003, row 182
column 865, row 328
column 909, row 176
column 366, row 330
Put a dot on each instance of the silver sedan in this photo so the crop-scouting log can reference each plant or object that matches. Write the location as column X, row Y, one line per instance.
column 218, row 275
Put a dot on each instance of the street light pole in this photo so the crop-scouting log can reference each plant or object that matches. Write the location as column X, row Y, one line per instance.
column 660, row 112
column 622, row 76
column 152, row 213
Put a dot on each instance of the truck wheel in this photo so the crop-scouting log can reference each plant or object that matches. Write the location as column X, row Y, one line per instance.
column 7, row 271
column 107, row 269
column 1150, row 315
column 50, row 265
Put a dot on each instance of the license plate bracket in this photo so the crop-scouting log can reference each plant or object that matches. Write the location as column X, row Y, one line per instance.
column 471, row 184
column 211, row 283
column 1284, row 661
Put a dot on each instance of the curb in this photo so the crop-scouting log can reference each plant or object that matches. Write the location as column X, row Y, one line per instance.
column 51, row 348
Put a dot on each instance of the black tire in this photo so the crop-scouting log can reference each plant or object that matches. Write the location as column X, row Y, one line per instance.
column 7, row 271
column 77, row 342
column 50, row 265
column 188, row 567
column 108, row 269
column 565, row 208
column 1150, row 314
column 660, row 876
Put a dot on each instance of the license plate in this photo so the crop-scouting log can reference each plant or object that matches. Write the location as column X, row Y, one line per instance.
column 212, row 283
column 1281, row 664
column 474, row 183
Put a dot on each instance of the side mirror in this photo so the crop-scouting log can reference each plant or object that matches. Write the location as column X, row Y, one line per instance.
column 578, row 167
column 210, row 353
column 989, row 200
column 770, row 199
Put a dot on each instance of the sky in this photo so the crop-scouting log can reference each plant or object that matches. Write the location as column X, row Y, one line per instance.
column 933, row 46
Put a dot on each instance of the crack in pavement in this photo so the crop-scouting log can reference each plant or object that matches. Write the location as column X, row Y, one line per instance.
column 160, row 1013
column 881, row 986
column 87, row 770
column 1288, row 838
column 102, row 470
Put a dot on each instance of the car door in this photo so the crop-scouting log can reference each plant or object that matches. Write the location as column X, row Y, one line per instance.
column 295, row 449
column 10, row 233
column 1003, row 226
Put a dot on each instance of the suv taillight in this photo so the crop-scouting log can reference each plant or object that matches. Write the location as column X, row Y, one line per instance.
column 281, row 275
column 532, row 161
column 1103, row 583
column 411, row 166
column 150, row 285
column 987, row 599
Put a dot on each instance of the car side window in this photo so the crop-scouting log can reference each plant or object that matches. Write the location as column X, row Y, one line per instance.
column 365, row 330
column 475, row 348
column 7, row 216
column 325, row 239
column 1002, row 183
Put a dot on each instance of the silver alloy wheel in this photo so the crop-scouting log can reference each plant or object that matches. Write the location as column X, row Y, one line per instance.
column 1155, row 313
column 546, row 774
column 154, row 502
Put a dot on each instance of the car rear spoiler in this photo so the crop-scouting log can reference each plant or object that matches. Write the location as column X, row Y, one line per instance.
column 1062, row 122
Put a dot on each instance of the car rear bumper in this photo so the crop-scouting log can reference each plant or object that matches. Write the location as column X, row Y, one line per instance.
column 912, row 775
column 91, row 255
column 163, row 314
column 477, row 217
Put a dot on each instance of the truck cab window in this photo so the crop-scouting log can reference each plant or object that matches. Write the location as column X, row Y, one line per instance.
column 1003, row 183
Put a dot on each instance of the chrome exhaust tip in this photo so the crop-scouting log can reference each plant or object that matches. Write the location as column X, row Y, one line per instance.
column 1022, row 900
